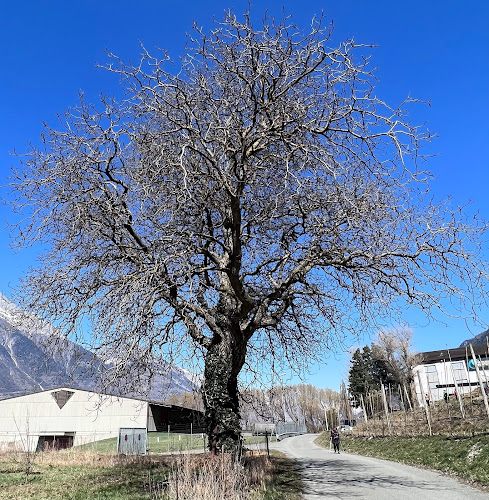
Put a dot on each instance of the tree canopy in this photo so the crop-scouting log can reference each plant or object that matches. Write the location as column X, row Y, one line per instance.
column 256, row 200
column 387, row 361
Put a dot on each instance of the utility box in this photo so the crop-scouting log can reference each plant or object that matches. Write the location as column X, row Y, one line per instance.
column 132, row 441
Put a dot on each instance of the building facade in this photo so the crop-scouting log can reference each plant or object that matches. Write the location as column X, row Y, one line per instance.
column 441, row 372
column 66, row 417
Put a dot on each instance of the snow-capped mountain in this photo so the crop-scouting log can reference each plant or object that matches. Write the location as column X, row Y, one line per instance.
column 29, row 362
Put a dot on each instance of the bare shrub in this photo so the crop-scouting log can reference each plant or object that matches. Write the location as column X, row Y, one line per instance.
column 212, row 478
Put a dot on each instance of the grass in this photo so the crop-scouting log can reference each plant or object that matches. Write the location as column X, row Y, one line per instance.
column 248, row 440
column 466, row 457
column 158, row 442
column 61, row 476
column 162, row 442
column 283, row 480
column 80, row 475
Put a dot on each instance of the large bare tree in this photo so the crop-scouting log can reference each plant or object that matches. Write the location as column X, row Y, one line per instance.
column 256, row 199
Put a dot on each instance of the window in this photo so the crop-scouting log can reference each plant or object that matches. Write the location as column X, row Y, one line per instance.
column 432, row 376
column 459, row 372
column 62, row 397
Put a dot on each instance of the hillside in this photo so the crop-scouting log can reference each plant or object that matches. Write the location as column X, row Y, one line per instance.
column 477, row 340
column 30, row 362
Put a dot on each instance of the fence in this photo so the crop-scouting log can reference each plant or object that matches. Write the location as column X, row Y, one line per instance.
column 177, row 441
column 285, row 429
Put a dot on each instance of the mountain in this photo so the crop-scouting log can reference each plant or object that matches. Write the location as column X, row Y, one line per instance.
column 477, row 340
column 33, row 357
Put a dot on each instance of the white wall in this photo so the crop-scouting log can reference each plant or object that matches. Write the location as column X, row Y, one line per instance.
column 442, row 373
column 88, row 415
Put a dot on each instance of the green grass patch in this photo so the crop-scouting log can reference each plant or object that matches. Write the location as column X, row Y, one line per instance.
column 466, row 457
column 250, row 440
column 282, row 480
column 97, row 481
column 162, row 442
column 158, row 442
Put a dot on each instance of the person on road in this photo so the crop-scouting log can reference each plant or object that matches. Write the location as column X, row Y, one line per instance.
column 335, row 439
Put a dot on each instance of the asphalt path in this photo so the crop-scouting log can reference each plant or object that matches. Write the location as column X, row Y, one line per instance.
column 345, row 476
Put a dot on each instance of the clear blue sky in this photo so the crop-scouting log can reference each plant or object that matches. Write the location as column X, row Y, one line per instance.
column 433, row 50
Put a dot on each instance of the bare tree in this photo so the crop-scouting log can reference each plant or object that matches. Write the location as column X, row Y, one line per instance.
column 259, row 199
column 297, row 403
column 394, row 348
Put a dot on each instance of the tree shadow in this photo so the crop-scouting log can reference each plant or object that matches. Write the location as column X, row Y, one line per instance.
column 347, row 480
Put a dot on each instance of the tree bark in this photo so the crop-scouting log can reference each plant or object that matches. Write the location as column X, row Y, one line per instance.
column 223, row 362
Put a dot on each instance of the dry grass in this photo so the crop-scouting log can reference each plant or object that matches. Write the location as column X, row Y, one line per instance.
column 205, row 477
column 75, row 475
column 74, row 457
column 222, row 478
column 78, row 476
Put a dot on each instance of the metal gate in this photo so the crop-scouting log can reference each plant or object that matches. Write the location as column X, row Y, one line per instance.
column 132, row 441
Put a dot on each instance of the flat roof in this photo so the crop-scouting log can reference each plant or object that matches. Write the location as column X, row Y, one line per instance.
column 454, row 354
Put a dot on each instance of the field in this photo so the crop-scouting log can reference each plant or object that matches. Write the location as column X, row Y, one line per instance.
column 77, row 476
column 80, row 474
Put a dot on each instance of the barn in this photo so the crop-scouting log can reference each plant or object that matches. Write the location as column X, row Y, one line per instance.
column 66, row 417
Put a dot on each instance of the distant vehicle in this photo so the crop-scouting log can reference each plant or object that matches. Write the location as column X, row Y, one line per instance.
column 346, row 428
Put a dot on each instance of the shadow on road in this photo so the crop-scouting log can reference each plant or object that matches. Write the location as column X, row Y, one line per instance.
column 341, row 477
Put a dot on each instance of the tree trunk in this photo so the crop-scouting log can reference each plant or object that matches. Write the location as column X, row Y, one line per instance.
column 223, row 362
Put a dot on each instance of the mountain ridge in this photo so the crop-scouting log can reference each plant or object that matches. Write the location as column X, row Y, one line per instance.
column 479, row 339
column 29, row 362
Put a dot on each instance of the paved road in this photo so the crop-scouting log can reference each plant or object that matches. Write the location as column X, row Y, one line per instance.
column 345, row 476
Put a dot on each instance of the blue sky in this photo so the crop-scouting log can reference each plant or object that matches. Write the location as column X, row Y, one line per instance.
column 432, row 50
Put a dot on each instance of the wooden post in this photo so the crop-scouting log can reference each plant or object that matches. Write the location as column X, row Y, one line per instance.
column 399, row 390
column 459, row 395
column 401, row 399
column 446, row 389
column 425, row 404
column 369, row 397
column 408, row 398
column 385, row 408
column 483, row 371
column 484, row 396
column 468, row 380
